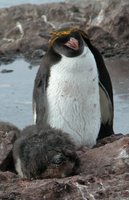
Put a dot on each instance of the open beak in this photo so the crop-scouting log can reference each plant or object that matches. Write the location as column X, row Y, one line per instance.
column 72, row 43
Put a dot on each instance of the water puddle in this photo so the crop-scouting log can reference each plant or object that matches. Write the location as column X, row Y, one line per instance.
column 16, row 92
column 119, row 71
column 8, row 3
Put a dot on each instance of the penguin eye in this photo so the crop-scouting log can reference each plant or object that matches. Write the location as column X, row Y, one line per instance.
column 58, row 159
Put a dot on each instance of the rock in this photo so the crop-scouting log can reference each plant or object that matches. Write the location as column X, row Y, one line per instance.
column 22, row 34
column 8, row 134
column 6, row 71
column 26, row 28
column 112, row 158
column 109, row 139
column 104, row 174
column 109, row 22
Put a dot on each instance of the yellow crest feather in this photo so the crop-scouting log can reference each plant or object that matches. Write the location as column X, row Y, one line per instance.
column 61, row 33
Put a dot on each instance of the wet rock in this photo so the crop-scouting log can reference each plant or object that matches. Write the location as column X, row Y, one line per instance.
column 6, row 71
column 8, row 134
column 104, row 174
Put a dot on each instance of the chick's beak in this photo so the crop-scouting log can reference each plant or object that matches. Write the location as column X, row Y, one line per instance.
column 72, row 43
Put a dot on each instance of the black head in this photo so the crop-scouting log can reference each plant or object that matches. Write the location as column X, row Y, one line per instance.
column 68, row 42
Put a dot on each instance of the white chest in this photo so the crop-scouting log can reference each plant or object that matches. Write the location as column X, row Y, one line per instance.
column 73, row 98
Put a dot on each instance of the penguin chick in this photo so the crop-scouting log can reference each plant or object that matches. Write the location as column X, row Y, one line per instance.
column 47, row 153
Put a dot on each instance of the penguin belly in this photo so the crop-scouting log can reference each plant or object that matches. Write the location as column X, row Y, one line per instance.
column 72, row 98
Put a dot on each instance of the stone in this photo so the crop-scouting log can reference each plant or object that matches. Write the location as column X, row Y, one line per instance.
column 8, row 134
column 104, row 174
column 26, row 29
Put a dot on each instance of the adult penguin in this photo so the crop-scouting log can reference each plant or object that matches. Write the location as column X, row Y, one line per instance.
column 73, row 90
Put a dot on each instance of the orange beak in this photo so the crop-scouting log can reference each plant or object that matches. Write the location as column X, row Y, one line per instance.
column 72, row 43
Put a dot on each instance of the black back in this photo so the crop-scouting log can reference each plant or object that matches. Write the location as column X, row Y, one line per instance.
column 104, row 78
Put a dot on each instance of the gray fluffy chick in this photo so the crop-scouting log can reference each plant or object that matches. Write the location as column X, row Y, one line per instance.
column 48, row 153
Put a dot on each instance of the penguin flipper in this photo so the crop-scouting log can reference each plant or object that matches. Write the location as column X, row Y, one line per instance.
column 39, row 91
column 106, row 106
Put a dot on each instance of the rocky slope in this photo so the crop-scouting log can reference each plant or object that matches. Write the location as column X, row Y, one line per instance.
column 26, row 29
